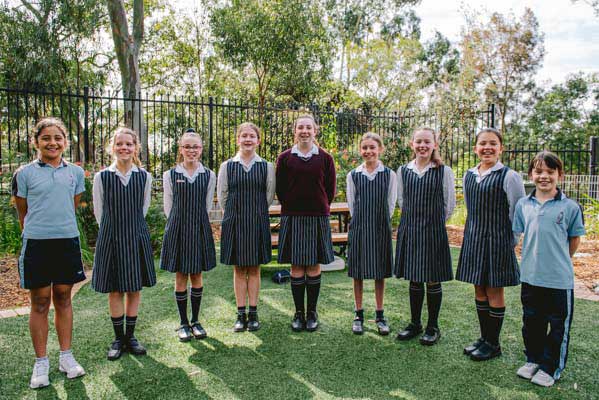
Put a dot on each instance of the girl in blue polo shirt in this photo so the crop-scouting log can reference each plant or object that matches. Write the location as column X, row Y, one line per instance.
column 552, row 225
column 47, row 194
column 123, row 263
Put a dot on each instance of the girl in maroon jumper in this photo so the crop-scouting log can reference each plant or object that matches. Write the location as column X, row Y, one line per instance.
column 305, row 188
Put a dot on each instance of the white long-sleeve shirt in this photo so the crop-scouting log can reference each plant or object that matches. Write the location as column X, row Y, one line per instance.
column 449, row 200
column 350, row 191
column 167, row 186
column 222, row 190
column 98, row 190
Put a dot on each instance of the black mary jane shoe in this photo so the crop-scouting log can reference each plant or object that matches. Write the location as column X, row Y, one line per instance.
column 430, row 336
column 184, row 333
column 410, row 332
column 115, row 351
column 198, row 331
column 135, row 348
column 475, row 345
column 357, row 326
column 298, row 323
column 253, row 323
column 241, row 323
column 485, row 351
column 312, row 321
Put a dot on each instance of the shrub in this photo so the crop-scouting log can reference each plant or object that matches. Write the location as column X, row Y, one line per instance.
column 10, row 231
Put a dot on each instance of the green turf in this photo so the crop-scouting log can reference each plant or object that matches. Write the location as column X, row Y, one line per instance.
column 276, row 363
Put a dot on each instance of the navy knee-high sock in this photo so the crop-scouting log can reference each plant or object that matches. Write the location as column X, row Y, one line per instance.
column 416, row 301
column 434, row 295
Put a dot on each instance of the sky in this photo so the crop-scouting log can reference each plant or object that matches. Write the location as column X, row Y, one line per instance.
column 571, row 30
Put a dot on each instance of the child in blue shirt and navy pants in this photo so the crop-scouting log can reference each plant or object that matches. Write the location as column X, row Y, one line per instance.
column 552, row 225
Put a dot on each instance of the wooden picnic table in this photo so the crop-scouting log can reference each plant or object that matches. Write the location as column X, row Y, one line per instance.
column 341, row 210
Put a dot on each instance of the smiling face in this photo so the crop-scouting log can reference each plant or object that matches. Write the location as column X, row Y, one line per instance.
column 488, row 148
column 544, row 177
column 305, row 131
column 370, row 150
column 124, row 147
column 190, row 148
column 423, row 144
column 248, row 139
column 51, row 142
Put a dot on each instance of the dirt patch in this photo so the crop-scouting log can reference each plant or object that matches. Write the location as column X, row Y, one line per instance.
column 11, row 294
column 586, row 267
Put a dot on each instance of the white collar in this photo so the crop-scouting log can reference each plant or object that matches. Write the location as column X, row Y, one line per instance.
column 495, row 167
column 296, row 150
column 254, row 159
column 113, row 168
column 379, row 168
column 181, row 169
column 412, row 165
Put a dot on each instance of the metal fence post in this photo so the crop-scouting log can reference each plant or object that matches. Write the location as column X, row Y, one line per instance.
column 594, row 161
column 210, row 133
column 492, row 111
column 86, row 152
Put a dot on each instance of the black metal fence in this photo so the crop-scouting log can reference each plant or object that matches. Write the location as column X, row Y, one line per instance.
column 91, row 116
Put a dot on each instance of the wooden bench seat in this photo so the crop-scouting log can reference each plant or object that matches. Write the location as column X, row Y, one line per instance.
column 275, row 226
column 339, row 239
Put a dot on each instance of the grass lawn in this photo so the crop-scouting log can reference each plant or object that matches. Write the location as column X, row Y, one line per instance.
column 276, row 363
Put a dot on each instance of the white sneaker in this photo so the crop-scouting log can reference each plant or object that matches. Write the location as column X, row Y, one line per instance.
column 70, row 366
column 542, row 378
column 528, row 370
column 39, row 376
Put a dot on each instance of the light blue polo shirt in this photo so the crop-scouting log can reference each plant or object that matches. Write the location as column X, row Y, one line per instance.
column 546, row 258
column 49, row 192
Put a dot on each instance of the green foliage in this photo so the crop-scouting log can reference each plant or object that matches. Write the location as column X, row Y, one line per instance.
column 345, row 161
column 10, row 231
column 156, row 222
column 591, row 217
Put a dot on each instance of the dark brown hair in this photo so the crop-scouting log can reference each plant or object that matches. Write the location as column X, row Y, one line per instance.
column 491, row 130
column 551, row 160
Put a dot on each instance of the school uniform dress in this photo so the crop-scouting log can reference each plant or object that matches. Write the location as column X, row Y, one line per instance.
column 124, row 260
column 306, row 188
column 371, row 200
column 547, row 277
column 487, row 256
column 245, row 193
column 188, row 244
column 427, row 200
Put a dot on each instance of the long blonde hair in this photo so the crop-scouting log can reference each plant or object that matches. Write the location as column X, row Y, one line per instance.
column 373, row 136
column 249, row 125
column 435, row 156
column 126, row 131
column 185, row 135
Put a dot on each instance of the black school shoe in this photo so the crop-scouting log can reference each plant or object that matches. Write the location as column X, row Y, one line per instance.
column 184, row 333
column 115, row 351
column 383, row 327
column 198, row 331
column 475, row 345
column 357, row 326
column 253, row 323
column 134, row 347
column 241, row 323
column 485, row 351
column 430, row 337
column 410, row 331
column 299, row 322
column 312, row 321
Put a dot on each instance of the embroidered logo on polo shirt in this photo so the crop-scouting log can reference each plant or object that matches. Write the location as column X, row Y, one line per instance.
column 560, row 218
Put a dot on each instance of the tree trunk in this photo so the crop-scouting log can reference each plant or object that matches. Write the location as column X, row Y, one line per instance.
column 126, row 47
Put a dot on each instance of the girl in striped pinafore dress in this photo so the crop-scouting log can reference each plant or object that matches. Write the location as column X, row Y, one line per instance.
column 427, row 199
column 487, row 258
column 371, row 195
column 188, row 245
column 305, row 187
column 124, row 262
column 246, row 186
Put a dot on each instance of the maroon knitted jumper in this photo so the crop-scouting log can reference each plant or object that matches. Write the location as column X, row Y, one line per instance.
column 305, row 187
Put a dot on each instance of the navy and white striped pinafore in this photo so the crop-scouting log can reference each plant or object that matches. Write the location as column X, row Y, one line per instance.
column 245, row 230
column 370, row 247
column 188, row 245
column 422, row 251
column 487, row 257
column 123, row 261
